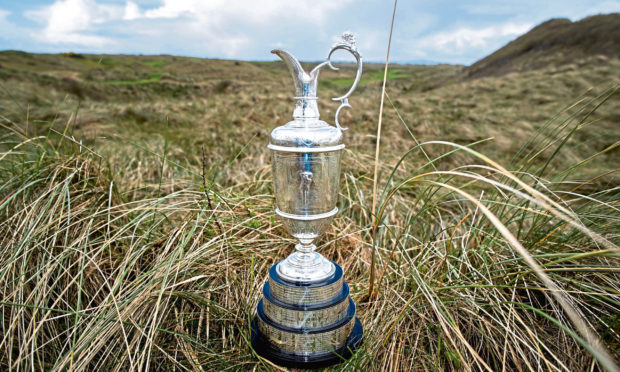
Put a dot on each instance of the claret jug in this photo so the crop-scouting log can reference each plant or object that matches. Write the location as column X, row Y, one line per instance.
column 306, row 318
column 306, row 155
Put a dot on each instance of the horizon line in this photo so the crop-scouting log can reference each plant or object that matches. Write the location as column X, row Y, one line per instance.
column 421, row 61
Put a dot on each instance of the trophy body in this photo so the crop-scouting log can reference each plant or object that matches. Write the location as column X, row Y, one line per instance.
column 306, row 318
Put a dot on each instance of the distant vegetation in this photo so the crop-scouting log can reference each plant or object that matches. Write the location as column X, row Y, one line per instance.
column 137, row 222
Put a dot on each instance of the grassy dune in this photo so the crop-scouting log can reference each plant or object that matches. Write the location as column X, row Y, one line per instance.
column 137, row 222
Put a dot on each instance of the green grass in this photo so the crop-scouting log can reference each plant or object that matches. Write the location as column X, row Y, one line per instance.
column 109, row 62
column 154, row 78
column 375, row 75
column 394, row 73
column 157, row 63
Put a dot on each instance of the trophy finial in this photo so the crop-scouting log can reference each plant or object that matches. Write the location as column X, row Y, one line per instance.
column 348, row 37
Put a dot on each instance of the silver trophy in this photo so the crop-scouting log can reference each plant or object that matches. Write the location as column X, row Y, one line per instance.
column 306, row 318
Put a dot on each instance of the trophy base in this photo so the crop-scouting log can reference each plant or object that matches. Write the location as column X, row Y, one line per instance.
column 310, row 267
column 306, row 324
column 308, row 360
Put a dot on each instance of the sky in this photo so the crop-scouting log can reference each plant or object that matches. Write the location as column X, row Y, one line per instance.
column 459, row 32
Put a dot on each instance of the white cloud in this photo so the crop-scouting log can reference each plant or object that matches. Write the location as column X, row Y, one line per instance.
column 226, row 26
column 251, row 11
column 214, row 27
column 248, row 29
column 74, row 21
column 464, row 38
column 132, row 11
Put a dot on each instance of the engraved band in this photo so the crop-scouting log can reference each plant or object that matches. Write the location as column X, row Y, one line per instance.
column 306, row 149
column 306, row 319
column 309, row 217
column 306, row 340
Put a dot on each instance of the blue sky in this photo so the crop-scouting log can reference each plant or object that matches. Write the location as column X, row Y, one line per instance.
column 435, row 30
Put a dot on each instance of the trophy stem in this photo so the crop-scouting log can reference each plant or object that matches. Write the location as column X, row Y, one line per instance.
column 305, row 248
column 305, row 265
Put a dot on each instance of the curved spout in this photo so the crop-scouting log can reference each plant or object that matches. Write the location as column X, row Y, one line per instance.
column 305, row 86
column 300, row 77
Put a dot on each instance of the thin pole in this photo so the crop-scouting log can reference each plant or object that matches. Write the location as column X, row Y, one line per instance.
column 375, row 180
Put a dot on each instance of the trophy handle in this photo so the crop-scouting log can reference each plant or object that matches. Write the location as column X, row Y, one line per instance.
column 347, row 43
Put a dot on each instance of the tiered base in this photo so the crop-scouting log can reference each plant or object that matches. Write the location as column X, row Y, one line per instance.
column 303, row 325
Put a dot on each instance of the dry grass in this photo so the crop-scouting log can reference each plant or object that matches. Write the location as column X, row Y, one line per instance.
column 116, row 255
column 115, row 264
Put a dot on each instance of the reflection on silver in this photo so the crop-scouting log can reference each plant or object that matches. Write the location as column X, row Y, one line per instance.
column 305, row 319
column 301, row 343
column 304, row 295
column 307, row 217
column 305, row 149
column 305, row 265
column 306, row 154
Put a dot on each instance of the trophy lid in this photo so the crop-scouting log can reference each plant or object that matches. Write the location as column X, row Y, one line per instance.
column 305, row 135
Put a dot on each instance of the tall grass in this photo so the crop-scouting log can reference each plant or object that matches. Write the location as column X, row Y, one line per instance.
column 480, row 266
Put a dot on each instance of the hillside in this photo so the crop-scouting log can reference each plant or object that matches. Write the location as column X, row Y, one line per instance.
column 112, row 99
column 555, row 42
